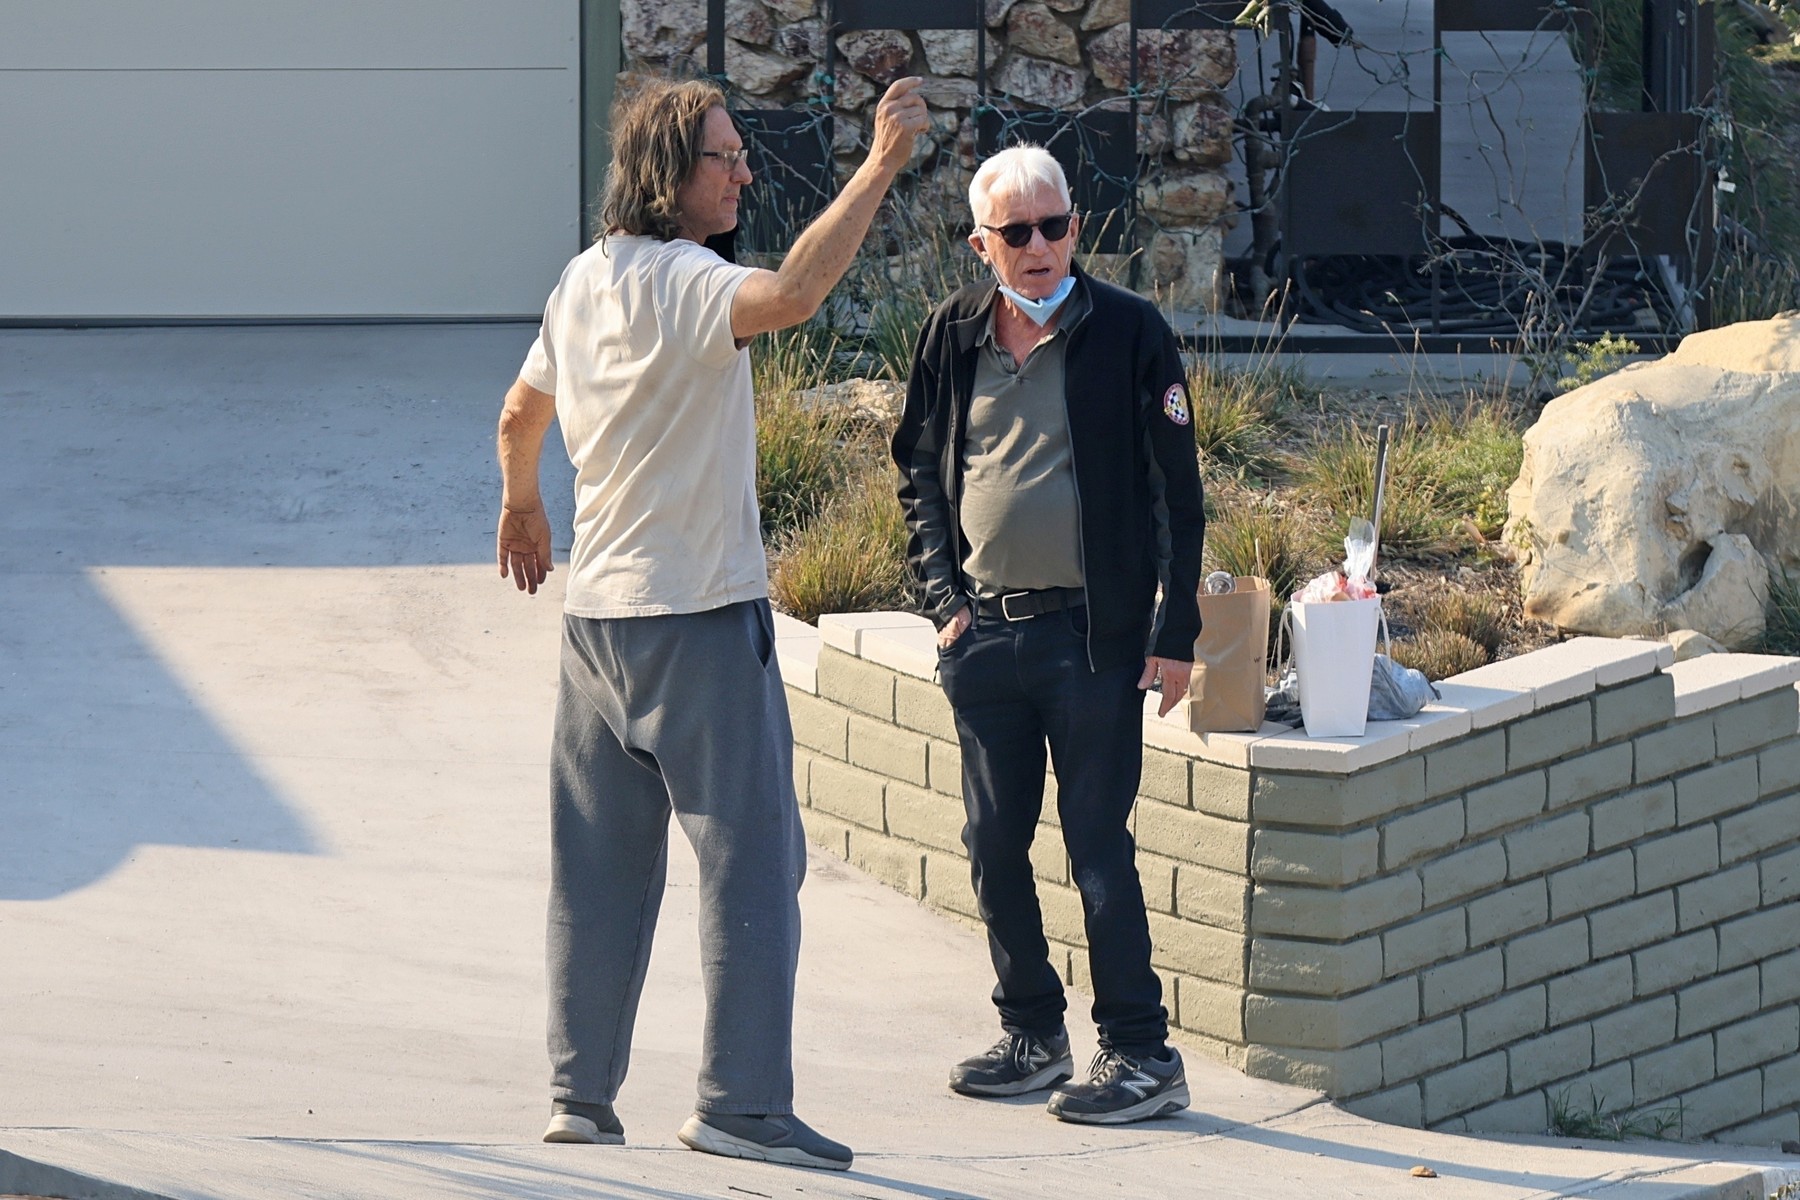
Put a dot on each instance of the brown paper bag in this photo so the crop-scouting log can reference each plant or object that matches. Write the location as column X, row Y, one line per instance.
column 1225, row 693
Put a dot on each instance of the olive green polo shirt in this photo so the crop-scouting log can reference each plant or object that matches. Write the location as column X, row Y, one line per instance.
column 1021, row 519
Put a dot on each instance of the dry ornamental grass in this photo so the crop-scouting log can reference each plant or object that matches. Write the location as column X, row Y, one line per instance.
column 1286, row 466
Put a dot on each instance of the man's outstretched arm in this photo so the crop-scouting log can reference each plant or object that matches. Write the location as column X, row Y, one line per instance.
column 523, row 541
column 770, row 300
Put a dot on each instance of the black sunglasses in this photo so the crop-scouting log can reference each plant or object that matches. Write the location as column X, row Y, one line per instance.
column 1018, row 234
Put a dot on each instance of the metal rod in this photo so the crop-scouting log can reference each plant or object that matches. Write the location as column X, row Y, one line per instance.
column 1381, row 456
column 715, row 38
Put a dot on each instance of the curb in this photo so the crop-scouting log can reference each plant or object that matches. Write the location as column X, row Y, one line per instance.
column 23, row 1178
column 1722, row 1181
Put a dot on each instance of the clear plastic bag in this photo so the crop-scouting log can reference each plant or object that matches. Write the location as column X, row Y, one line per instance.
column 1359, row 561
column 1355, row 581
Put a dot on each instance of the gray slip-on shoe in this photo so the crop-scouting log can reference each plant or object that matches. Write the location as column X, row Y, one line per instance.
column 573, row 1122
column 781, row 1138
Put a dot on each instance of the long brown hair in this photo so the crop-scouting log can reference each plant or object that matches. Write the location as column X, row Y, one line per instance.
column 657, row 136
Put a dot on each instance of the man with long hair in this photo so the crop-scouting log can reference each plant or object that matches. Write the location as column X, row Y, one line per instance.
column 670, row 697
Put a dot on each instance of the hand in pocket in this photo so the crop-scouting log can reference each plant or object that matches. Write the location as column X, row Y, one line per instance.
column 955, row 627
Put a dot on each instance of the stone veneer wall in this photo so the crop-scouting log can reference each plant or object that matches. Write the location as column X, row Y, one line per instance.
column 1581, row 868
column 1054, row 54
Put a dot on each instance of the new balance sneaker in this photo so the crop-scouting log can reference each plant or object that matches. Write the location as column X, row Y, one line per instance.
column 1016, row 1064
column 589, row 1124
column 780, row 1138
column 1122, row 1088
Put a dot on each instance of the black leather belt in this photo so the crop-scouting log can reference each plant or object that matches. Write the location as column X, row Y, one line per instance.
column 1018, row 606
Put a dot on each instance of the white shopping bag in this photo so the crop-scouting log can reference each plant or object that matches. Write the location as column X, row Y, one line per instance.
column 1334, row 657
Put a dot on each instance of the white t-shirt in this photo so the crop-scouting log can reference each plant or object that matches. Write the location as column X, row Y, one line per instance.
column 657, row 415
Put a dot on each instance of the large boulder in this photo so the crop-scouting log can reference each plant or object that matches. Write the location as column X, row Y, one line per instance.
column 1660, row 497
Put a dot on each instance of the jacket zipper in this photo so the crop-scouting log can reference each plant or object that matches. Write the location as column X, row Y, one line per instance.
column 1087, row 642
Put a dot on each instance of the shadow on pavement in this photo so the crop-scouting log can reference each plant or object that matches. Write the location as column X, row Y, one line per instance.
column 205, row 447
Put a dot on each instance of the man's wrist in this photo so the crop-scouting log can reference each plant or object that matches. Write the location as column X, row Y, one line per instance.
column 881, row 174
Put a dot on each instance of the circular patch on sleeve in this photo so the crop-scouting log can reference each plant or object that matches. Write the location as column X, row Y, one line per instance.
column 1175, row 404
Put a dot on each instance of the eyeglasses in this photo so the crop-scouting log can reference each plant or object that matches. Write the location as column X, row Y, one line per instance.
column 731, row 158
column 1018, row 234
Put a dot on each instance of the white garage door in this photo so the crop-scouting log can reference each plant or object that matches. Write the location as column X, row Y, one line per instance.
column 287, row 158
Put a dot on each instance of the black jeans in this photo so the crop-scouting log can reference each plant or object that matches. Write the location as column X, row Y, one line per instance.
column 1016, row 687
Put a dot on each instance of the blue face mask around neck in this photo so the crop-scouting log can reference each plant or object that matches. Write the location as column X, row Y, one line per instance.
column 1039, row 311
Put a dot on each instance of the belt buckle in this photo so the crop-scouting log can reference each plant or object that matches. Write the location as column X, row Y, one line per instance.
column 1006, row 612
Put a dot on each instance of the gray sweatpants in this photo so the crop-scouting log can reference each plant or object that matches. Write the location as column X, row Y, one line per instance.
column 684, row 711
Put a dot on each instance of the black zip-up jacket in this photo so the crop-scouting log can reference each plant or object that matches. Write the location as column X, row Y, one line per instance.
column 1137, row 479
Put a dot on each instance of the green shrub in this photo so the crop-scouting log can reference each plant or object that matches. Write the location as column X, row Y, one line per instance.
column 1266, row 383
column 898, row 291
column 799, row 459
column 1756, row 152
column 1440, row 653
column 1251, row 538
column 1782, row 635
column 1242, row 404
column 1474, row 456
column 1337, row 476
column 1753, row 287
column 1759, row 156
column 852, row 558
column 794, row 359
column 1589, row 361
column 1235, row 427
column 1479, row 618
column 1573, row 1119
column 894, row 324
column 1448, row 473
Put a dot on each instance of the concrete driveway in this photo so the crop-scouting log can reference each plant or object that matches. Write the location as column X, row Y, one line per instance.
column 273, row 743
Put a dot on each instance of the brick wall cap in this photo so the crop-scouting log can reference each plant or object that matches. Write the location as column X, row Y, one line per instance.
column 910, row 649
column 1478, row 699
column 797, row 653
column 1556, row 675
column 1224, row 749
column 844, row 631
column 1714, row 680
column 1547, row 677
column 1293, row 750
column 1516, row 687
column 1617, row 660
column 1487, row 705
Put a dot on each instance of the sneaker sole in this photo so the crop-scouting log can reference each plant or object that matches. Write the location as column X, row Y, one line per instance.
column 698, row 1135
column 569, row 1129
column 1161, row 1105
column 1050, row 1076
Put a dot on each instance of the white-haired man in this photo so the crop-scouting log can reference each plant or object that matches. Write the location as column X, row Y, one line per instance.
column 1051, row 489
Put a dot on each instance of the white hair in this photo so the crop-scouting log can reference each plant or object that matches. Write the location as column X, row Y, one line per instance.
column 1018, row 171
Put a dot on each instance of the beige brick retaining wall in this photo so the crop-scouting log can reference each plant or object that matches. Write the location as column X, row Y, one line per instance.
column 1579, row 870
